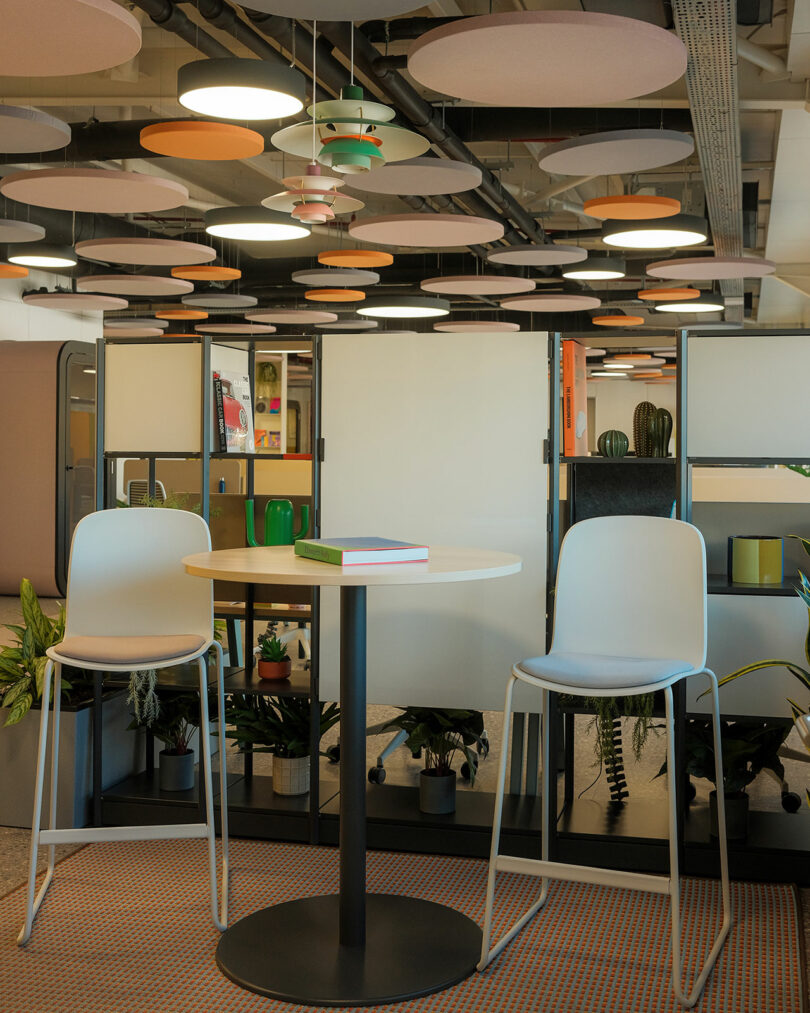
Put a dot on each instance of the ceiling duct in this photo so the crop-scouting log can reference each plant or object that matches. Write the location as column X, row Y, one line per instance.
column 709, row 32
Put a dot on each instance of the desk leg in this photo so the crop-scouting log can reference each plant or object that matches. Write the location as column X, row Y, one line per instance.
column 354, row 948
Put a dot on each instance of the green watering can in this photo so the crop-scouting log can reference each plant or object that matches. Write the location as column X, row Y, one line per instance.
column 278, row 522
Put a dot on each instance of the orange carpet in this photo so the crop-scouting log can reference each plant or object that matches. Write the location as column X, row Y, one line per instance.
column 125, row 929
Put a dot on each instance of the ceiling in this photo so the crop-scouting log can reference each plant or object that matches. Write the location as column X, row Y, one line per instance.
column 768, row 138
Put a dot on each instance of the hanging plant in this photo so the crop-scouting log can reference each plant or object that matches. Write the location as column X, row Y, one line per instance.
column 143, row 696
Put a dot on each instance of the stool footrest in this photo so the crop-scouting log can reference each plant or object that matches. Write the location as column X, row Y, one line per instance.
column 91, row 835
column 583, row 874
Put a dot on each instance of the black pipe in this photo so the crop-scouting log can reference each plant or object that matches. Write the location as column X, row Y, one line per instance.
column 166, row 15
column 401, row 28
column 493, row 123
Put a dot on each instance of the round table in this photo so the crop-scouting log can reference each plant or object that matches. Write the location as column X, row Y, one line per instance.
column 350, row 949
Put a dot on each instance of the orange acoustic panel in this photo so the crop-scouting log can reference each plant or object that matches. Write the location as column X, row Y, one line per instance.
column 647, row 374
column 617, row 320
column 13, row 271
column 199, row 139
column 182, row 315
column 334, row 295
column 355, row 258
column 206, row 272
column 669, row 294
column 632, row 207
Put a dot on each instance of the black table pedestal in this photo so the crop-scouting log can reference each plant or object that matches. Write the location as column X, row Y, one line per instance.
column 355, row 949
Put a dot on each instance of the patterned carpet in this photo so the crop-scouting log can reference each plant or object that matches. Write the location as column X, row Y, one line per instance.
column 125, row 929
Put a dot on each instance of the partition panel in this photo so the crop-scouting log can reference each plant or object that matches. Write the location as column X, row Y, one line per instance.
column 438, row 439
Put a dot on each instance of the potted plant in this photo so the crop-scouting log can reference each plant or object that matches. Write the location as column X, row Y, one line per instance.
column 274, row 662
column 176, row 720
column 281, row 726
column 439, row 733
column 749, row 747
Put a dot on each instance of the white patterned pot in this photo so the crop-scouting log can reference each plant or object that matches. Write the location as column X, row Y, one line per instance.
column 291, row 775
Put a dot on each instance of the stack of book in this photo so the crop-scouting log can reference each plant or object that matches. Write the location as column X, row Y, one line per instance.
column 360, row 551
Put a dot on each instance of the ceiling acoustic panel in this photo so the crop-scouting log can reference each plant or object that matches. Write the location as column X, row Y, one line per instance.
column 711, row 268
column 134, row 332
column 103, row 191
column 134, row 284
column 329, row 10
column 547, row 59
column 220, row 300
column 74, row 302
column 206, row 272
column 242, row 328
column 145, row 251
column 476, row 326
column 202, row 140
column 537, row 255
column 57, row 38
column 478, row 284
column 281, row 316
column 551, row 303
column 631, row 207
column 616, row 152
column 351, row 325
column 424, row 176
column 426, row 230
column 135, row 322
column 355, row 258
column 12, row 231
column 23, row 129
column 332, row 277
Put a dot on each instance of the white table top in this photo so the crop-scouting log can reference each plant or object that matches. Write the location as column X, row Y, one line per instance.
column 278, row 564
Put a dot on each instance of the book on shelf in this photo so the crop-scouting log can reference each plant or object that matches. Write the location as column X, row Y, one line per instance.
column 360, row 551
column 233, row 412
column 575, row 400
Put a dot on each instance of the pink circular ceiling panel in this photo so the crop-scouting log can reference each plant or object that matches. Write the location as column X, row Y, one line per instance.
column 234, row 329
column 551, row 303
column 55, row 38
column 75, row 302
column 538, row 255
column 470, row 326
column 547, row 58
column 279, row 316
column 422, row 176
column 23, row 130
column 478, row 284
column 711, row 268
column 346, row 10
column 616, row 151
column 134, row 284
column 106, row 191
column 13, row 231
column 145, row 250
column 132, row 332
column 426, row 230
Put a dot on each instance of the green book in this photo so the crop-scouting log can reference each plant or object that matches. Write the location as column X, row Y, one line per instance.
column 360, row 551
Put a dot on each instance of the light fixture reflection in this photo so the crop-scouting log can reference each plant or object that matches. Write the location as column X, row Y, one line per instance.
column 693, row 306
column 42, row 255
column 405, row 307
column 253, row 224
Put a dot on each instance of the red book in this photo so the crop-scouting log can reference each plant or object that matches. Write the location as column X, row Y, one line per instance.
column 575, row 400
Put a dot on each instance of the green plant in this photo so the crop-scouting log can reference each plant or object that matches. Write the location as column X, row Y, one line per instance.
column 440, row 733
column 800, row 673
column 271, row 647
column 22, row 667
column 176, row 722
column 173, row 501
column 748, row 746
column 266, row 372
column 278, row 725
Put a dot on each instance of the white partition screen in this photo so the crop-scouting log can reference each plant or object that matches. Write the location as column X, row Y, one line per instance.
column 743, row 393
column 438, row 438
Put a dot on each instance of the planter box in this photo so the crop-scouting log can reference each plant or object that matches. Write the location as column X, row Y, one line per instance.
column 122, row 752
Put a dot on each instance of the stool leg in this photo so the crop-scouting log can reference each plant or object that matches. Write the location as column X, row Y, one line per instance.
column 223, row 787
column 56, row 721
column 32, row 903
column 207, row 786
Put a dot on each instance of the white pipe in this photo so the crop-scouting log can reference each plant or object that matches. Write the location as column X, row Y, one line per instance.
column 762, row 58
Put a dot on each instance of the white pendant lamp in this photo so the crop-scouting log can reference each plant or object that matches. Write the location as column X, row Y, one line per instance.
column 598, row 267
column 313, row 197
column 231, row 88
column 656, row 233
column 709, row 305
column 254, row 224
column 48, row 255
column 350, row 134
column 405, row 307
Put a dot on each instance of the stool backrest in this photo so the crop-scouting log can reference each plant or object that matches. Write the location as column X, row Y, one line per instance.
column 632, row 587
column 126, row 578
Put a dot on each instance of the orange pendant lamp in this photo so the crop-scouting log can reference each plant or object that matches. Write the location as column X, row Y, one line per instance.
column 206, row 272
column 617, row 320
column 182, row 315
column 669, row 294
column 633, row 207
column 334, row 295
column 355, row 258
column 13, row 271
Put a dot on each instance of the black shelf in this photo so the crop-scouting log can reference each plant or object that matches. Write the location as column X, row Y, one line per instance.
column 719, row 583
column 743, row 462
column 617, row 460
column 185, row 455
column 224, row 455
column 240, row 682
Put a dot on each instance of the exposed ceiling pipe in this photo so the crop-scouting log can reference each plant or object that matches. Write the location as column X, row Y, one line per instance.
column 499, row 123
column 424, row 118
column 773, row 65
column 562, row 186
column 165, row 15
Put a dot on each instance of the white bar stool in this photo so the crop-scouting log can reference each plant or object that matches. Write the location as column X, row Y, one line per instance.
column 131, row 605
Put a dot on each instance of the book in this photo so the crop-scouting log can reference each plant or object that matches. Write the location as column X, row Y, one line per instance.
column 219, row 415
column 575, row 400
column 234, row 412
column 359, row 551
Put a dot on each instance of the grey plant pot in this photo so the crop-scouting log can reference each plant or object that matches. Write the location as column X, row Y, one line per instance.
column 176, row 771
column 437, row 795
column 736, row 815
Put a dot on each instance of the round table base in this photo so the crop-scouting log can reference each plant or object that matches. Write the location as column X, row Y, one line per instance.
column 291, row 951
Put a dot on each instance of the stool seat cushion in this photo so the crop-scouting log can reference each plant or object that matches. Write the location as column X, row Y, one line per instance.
column 602, row 671
column 129, row 650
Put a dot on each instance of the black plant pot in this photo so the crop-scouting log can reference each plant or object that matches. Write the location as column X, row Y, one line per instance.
column 437, row 792
column 176, row 770
column 736, row 815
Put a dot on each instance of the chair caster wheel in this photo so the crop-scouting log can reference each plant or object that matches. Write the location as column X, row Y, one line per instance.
column 333, row 754
column 376, row 775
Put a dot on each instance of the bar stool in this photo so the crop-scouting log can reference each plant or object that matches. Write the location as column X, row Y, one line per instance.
column 132, row 606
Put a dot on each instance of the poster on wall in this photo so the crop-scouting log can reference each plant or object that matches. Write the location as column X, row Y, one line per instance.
column 234, row 418
column 575, row 400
